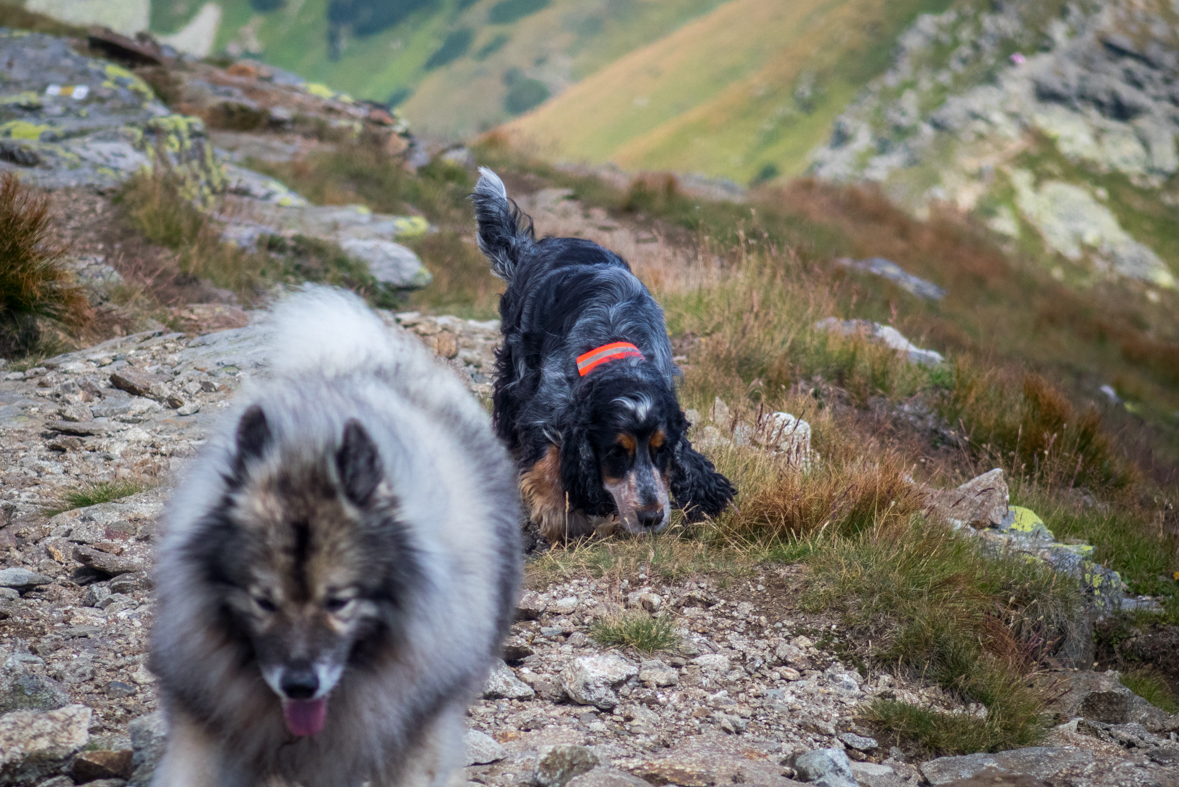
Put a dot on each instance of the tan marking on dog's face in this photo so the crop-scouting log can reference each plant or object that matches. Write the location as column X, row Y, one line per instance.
column 657, row 440
column 627, row 442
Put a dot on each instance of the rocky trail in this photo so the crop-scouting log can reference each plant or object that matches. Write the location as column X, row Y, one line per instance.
column 749, row 687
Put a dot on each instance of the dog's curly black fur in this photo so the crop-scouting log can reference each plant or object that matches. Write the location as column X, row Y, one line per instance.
column 565, row 297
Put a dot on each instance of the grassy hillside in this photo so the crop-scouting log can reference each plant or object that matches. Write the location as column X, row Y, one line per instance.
column 455, row 66
column 752, row 84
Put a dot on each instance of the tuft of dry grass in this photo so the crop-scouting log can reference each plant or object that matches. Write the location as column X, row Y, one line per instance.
column 153, row 205
column 1029, row 426
column 359, row 171
column 778, row 500
column 757, row 322
column 651, row 192
column 34, row 280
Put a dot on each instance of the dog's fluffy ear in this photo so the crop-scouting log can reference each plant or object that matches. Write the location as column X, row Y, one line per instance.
column 504, row 232
column 581, row 473
column 696, row 485
column 253, row 435
column 359, row 464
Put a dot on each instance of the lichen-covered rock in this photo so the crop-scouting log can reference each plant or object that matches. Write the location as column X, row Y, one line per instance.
column 70, row 120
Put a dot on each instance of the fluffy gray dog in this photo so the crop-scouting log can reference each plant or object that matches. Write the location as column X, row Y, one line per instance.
column 337, row 570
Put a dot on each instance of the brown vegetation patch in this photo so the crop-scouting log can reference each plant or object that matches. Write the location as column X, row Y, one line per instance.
column 35, row 282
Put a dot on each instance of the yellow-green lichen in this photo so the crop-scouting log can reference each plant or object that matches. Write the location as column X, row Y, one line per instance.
column 27, row 99
column 20, row 129
column 1026, row 521
column 323, row 91
column 121, row 77
column 411, row 226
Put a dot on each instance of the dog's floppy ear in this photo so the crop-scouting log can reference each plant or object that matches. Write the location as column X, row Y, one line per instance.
column 581, row 474
column 253, row 435
column 359, row 463
column 696, row 485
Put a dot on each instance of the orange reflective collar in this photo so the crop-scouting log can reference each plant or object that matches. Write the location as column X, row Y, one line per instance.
column 607, row 352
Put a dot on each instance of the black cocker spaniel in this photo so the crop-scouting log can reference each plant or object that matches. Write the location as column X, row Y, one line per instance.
column 585, row 384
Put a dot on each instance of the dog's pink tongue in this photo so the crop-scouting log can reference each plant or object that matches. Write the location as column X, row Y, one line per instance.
column 305, row 717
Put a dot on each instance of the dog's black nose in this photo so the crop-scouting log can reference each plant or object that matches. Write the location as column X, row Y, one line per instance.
column 652, row 518
column 300, row 684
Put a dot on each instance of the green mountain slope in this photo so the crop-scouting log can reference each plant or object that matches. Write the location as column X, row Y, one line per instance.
column 454, row 66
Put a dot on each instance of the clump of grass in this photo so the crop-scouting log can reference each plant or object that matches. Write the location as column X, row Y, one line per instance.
column 780, row 501
column 352, row 172
column 154, row 206
column 651, row 192
column 1030, row 426
column 1151, row 687
column 941, row 733
column 34, row 280
column 463, row 283
column 757, row 319
column 640, row 630
column 669, row 557
column 932, row 604
column 94, row 493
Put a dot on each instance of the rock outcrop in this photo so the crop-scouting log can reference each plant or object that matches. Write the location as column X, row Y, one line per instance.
column 70, row 120
column 973, row 89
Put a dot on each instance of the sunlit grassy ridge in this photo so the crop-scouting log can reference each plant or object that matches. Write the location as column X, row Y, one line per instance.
column 752, row 83
column 452, row 62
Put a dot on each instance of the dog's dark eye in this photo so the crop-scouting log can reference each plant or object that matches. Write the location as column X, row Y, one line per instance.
column 335, row 604
column 265, row 604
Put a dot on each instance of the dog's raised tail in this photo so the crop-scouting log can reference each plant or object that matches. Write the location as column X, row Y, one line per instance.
column 504, row 232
